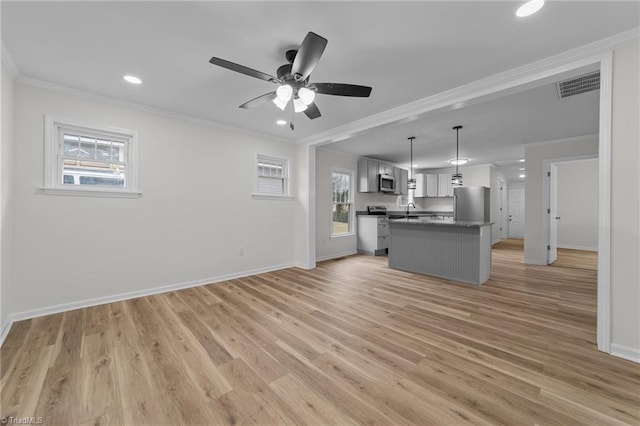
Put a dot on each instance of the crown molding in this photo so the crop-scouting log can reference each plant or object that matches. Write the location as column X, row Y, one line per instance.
column 520, row 77
column 7, row 61
column 563, row 140
column 144, row 108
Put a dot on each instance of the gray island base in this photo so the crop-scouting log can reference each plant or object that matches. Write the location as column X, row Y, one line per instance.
column 455, row 250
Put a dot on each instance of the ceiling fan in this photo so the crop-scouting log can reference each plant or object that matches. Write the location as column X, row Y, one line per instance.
column 292, row 79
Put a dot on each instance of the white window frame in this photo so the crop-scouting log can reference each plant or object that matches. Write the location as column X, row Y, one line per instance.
column 352, row 223
column 54, row 128
column 286, row 179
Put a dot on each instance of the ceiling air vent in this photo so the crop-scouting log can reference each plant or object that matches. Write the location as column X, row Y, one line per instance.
column 580, row 84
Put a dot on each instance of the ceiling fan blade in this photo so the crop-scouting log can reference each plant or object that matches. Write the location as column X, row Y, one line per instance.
column 308, row 55
column 243, row 70
column 259, row 100
column 340, row 89
column 312, row 111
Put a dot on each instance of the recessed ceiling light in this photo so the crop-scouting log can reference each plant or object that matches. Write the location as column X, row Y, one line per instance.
column 522, row 160
column 281, row 122
column 522, row 176
column 132, row 79
column 521, row 169
column 458, row 161
column 529, row 8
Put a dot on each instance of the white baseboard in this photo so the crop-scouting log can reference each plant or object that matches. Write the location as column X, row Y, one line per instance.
column 573, row 247
column 5, row 330
column 534, row 262
column 63, row 307
column 496, row 241
column 336, row 255
column 625, row 352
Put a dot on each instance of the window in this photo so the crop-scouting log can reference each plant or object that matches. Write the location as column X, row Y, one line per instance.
column 272, row 178
column 88, row 160
column 341, row 203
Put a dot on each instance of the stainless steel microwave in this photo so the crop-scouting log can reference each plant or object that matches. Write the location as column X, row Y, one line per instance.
column 386, row 183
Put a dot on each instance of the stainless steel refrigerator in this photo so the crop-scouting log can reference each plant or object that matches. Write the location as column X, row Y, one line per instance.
column 472, row 203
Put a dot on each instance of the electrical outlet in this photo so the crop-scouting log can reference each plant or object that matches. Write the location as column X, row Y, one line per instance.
column 241, row 251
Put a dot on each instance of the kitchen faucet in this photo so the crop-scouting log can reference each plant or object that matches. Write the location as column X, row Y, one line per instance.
column 409, row 205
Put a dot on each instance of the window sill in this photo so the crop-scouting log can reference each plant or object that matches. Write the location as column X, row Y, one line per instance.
column 89, row 193
column 337, row 237
column 272, row 197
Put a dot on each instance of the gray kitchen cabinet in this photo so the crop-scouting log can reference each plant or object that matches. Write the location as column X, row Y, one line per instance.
column 401, row 177
column 367, row 175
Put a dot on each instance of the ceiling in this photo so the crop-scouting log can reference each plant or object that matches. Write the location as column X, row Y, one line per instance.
column 494, row 131
column 405, row 50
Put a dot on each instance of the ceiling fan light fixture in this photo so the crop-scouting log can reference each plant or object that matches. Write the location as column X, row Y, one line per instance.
column 284, row 93
column 299, row 105
column 306, row 95
column 280, row 103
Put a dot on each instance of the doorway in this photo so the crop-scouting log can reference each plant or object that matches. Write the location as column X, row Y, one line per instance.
column 516, row 212
column 572, row 206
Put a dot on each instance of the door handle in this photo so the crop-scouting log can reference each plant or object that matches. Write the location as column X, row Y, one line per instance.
column 557, row 217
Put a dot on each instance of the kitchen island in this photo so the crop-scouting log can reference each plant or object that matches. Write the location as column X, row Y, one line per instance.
column 455, row 250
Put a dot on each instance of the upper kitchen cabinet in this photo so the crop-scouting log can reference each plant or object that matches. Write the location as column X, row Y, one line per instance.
column 367, row 175
column 401, row 178
column 385, row 169
column 445, row 187
column 426, row 185
column 369, row 171
column 432, row 185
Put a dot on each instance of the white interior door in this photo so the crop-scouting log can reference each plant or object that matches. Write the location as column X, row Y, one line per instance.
column 516, row 212
column 552, row 252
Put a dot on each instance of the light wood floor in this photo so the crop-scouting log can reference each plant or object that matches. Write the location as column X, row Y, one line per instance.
column 351, row 342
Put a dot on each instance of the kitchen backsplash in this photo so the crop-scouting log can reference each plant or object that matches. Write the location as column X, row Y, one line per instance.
column 394, row 202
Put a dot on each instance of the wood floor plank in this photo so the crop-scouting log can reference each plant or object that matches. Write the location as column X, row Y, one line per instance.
column 349, row 342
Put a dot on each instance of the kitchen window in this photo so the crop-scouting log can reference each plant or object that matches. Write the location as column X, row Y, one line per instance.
column 88, row 160
column 341, row 203
column 272, row 178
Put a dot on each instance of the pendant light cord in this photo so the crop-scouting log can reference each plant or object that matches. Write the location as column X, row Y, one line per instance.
column 411, row 138
column 457, row 143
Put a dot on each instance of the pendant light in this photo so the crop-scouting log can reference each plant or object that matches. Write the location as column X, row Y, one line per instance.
column 412, row 180
column 456, row 179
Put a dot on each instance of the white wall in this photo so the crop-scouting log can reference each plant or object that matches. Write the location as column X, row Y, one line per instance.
column 305, row 247
column 535, row 240
column 327, row 247
column 194, row 217
column 6, row 196
column 625, row 201
column 578, row 204
column 497, row 182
